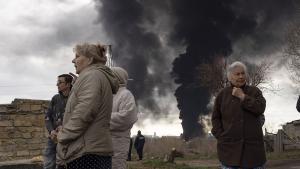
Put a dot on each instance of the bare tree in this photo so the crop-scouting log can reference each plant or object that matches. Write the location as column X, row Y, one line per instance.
column 258, row 75
column 213, row 76
column 292, row 51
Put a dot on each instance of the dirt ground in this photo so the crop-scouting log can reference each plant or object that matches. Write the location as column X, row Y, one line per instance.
column 284, row 164
column 271, row 164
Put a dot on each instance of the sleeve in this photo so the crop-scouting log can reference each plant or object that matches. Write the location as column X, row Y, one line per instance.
column 298, row 104
column 262, row 119
column 136, row 143
column 216, row 119
column 48, row 116
column 127, row 112
column 255, row 104
column 82, row 115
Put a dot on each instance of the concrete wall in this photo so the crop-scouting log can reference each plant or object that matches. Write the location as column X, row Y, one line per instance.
column 22, row 129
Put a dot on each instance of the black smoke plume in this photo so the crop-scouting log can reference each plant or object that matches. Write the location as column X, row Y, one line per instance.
column 142, row 30
column 135, row 48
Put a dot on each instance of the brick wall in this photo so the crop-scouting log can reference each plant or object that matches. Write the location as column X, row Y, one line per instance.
column 22, row 129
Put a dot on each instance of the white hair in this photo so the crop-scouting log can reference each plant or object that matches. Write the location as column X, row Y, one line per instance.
column 234, row 65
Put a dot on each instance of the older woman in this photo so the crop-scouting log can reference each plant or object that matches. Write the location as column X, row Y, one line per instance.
column 85, row 140
column 236, row 122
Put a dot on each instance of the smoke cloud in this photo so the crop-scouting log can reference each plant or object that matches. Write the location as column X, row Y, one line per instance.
column 154, row 39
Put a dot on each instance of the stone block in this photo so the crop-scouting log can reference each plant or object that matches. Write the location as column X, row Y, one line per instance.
column 6, row 154
column 15, row 134
column 23, row 153
column 24, row 107
column 35, row 152
column 26, row 135
column 35, row 141
column 5, row 142
column 3, row 109
column 23, row 123
column 36, row 107
column 38, row 134
column 9, row 148
column 38, row 120
column 25, row 129
column 36, row 147
column 4, row 135
column 9, row 129
column 20, row 141
column 6, row 123
column 4, row 117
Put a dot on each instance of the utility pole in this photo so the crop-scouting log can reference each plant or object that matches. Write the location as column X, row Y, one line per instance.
column 109, row 56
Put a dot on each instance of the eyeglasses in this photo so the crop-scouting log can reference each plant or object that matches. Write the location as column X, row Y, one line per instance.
column 59, row 82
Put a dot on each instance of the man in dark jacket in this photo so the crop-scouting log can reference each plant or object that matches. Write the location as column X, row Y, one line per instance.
column 236, row 122
column 298, row 104
column 139, row 144
column 54, row 117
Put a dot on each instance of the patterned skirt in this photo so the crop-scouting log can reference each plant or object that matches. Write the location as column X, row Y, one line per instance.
column 89, row 161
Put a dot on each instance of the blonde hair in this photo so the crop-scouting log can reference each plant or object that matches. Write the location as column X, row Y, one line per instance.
column 95, row 51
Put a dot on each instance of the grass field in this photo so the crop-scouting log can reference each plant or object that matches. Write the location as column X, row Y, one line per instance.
column 198, row 154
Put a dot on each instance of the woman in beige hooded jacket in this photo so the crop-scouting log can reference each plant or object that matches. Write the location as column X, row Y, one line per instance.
column 124, row 115
column 85, row 140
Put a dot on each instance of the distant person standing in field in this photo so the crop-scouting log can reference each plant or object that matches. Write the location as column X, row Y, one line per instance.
column 139, row 144
column 123, row 116
column 129, row 151
column 54, row 118
column 298, row 104
column 236, row 122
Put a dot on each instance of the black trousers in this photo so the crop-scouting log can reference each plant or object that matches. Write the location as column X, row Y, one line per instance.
column 140, row 153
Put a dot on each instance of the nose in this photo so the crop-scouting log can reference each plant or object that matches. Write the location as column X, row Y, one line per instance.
column 73, row 61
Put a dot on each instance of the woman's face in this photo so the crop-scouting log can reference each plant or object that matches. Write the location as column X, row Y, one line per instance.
column 81, row 62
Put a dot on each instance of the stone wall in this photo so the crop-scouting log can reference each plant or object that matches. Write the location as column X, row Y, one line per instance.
column 292, row 129
column 22, row 129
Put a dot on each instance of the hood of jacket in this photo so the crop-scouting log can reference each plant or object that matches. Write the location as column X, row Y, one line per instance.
column 113, row 80
column 121, row 74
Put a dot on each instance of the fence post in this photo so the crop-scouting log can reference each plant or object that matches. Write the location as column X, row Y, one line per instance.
column 278, row 143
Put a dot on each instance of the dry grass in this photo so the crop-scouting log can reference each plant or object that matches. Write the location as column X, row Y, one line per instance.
column 157, row 148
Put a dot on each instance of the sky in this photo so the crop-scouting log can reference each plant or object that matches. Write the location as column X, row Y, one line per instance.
column 37, row 40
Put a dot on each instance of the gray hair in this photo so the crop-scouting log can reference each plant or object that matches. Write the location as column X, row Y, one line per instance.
column 235, row 65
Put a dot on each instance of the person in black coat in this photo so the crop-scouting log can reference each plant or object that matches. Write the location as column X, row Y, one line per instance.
column 139, row 144
column 129, row 151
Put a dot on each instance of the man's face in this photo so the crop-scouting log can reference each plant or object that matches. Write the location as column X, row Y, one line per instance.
column 61, row 84
column 238, row 77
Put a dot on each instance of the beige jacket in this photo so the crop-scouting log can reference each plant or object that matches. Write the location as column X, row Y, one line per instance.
column 87, row 115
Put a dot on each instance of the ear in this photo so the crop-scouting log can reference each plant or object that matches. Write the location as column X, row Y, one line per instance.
column 229, row 77
column 69, row 85
column 91, row 60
